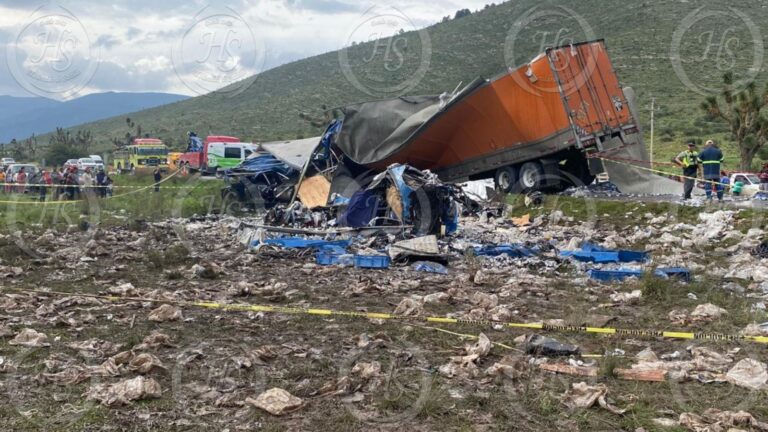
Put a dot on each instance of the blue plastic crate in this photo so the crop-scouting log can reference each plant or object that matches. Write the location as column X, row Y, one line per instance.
column 605, row 256
column 596, row 257
column 632, row 256
column 327, row 258
column 372, row 261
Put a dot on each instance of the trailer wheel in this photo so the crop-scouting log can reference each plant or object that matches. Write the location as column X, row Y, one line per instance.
column 531, row 175
column 504, row 179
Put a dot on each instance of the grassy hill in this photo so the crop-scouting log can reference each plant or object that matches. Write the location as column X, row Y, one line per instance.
column 642, row 38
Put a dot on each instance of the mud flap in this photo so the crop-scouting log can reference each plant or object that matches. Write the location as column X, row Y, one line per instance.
column 553, row 178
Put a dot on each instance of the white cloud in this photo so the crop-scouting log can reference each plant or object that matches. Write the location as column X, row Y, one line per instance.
column 135, row 39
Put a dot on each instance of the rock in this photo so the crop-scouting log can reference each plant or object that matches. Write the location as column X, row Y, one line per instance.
column 124, row 392
column 276, row 401
column 164, row 313
column 30, row 338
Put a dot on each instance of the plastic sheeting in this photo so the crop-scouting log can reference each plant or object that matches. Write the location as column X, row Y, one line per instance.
column 295, row 153
column 375, row 130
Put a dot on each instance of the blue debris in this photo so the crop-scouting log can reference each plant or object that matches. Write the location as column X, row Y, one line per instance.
column 593, row 253
column 372, row 261
column 624, row 273
column 302, row 243
column 332, row 255
column 513, row 250
column 429, row 267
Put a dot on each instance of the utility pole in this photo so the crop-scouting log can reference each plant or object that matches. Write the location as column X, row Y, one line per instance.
column 653, row 108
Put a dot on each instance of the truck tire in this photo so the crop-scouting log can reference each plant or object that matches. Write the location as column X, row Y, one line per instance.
column 505, row 178
column 530, row 176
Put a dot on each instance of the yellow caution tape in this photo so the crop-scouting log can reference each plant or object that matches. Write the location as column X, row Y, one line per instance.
column 245, row 307
column 660, row 172
column 157, row 185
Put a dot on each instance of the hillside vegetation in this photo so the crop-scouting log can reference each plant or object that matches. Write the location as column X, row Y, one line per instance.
column 642, row 37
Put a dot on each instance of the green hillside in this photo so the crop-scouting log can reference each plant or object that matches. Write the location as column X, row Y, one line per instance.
column 641, row 39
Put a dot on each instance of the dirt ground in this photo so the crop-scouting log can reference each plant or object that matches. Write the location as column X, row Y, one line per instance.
column 366, row 374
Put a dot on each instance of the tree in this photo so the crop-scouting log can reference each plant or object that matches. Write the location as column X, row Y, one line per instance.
column 134, row 131
column 63, row 146
column 461, row 13
column 741, row 110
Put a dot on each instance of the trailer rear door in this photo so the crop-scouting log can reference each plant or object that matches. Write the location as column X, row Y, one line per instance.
column 594, row 100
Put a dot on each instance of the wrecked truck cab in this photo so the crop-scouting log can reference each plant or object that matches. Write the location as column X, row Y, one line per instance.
column 273, row 175
column 261, row 180
column 408, row 196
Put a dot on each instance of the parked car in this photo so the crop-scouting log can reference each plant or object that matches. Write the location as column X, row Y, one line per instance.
column 87, row 163
column 4, row 162
column 750, row 181
column 98, row 160
column 13, row 169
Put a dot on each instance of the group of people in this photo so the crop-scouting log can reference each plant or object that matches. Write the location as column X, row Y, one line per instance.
column 12, row 179
column 62, row 183
column 709, row 162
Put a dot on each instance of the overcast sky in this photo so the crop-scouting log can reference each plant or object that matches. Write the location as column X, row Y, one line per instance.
column 75, row 47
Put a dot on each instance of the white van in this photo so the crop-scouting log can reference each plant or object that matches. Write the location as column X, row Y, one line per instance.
column 98, row 161
column 222, row 156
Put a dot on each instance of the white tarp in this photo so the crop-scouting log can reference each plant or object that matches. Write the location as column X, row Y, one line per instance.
column 478, row 190
column 295, row 153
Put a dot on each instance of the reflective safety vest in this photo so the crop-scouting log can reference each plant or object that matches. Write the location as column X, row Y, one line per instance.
column 690, row 159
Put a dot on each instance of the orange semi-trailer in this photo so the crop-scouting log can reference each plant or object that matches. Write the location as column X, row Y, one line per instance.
column 531, row 126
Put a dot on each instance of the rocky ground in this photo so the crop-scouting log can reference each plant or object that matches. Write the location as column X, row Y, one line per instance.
column 138, row 356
